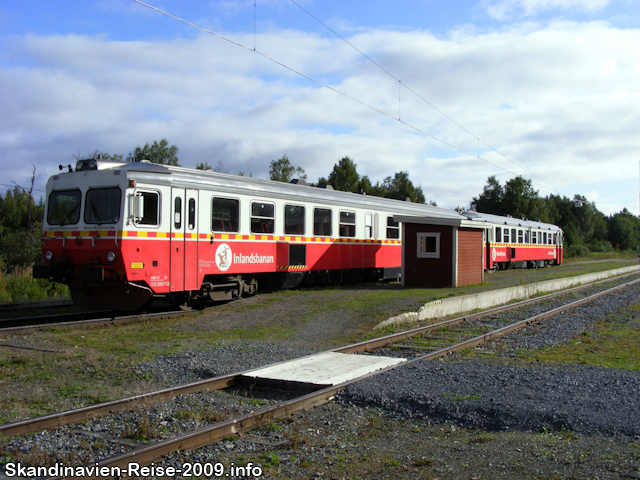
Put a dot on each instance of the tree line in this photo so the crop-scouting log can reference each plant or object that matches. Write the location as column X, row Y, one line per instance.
column 586, row 229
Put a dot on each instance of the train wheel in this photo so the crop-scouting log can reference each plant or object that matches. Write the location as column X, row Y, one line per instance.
column 496, row 267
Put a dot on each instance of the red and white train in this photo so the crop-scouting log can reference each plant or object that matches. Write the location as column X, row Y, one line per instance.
column 514, row 242
column 122, row 235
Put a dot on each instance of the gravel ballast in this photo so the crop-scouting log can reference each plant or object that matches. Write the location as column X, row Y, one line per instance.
column 458, row 418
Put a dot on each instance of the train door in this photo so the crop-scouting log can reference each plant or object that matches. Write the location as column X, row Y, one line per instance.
column 176, row 240
column 191, row 235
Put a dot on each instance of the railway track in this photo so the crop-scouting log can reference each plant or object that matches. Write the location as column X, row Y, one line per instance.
column 416, row 340
column 24, row 325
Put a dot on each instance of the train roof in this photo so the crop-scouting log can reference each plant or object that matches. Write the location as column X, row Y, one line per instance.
column 155, row 174
column 509, row 221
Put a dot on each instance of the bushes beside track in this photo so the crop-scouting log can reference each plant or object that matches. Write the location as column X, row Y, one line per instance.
column 20, row 286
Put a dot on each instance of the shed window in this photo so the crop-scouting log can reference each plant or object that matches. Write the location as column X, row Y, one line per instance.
column 428, row 245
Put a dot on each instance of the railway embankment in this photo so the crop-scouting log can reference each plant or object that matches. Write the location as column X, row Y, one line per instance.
column 483, row 300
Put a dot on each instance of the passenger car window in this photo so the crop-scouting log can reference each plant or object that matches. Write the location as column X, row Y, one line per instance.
column 225, row 215
column 393, row 229
column 262, row 217
column 64, row 207
column 147, row 212
column 294, row 220
column 347, row 224
column 102, row 205
column 322, row 222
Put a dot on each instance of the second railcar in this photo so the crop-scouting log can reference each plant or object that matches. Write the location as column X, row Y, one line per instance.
column 514, row 242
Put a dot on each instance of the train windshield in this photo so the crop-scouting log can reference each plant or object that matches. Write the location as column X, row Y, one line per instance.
column 102, row 205
column 64, row 207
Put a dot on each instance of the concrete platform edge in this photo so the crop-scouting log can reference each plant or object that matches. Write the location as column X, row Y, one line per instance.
column 484, row 300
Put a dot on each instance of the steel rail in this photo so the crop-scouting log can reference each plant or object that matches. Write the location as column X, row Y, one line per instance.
column 486, row 337
column 375, row 343
column 202, row 437
column 96, row 322
column 96, row 411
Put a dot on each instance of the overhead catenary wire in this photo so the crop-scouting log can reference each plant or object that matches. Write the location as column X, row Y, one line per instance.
column 401, row 84
column 318, row 82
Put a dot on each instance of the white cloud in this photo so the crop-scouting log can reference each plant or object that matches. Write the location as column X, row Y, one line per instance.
column 506, row 9
column 557, row 99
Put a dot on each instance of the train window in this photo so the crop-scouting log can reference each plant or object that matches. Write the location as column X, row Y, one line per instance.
column 225, row 215
column 147, row 211
column 506, row 235
column 526, row 236
column 544, row 238
column 368, row 225
column 428, row 245
column 347, row 224
column 498, row 234
column 102, row 205
column 322, row 222
column 393, row 229
column 549, row 238
column 534, row 238
column 293, row 220
column 177, row 213
column 555, row 239
column 64, row 207
column 513, row 236
column 520, row 236
column 262, row 217
column 192, row 214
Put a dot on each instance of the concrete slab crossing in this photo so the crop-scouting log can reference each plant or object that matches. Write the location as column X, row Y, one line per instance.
column 327, row 368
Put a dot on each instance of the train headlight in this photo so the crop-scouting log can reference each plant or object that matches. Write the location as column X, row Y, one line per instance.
column 48, row 255
column 111, row 256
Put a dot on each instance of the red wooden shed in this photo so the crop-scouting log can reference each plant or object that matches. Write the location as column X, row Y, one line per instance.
column 441, row 251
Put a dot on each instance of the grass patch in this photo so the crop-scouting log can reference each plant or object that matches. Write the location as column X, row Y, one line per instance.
column 613, row 343
column 455, row 397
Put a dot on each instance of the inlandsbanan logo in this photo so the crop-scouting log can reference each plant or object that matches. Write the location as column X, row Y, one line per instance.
column 224, row 257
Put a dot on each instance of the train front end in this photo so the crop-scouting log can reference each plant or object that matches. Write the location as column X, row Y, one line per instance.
column 82, row 236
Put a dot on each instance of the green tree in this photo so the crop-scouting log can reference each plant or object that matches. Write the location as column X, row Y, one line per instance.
column 520, row 200
column 490, row 200
column 158, row 152
column 624, row 230
column 282, row 170
column 203, row 166
column 20, row 229
column 344, row 176
column 400, row 187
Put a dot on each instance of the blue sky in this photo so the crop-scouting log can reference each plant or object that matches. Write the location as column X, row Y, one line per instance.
column 547, row 89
